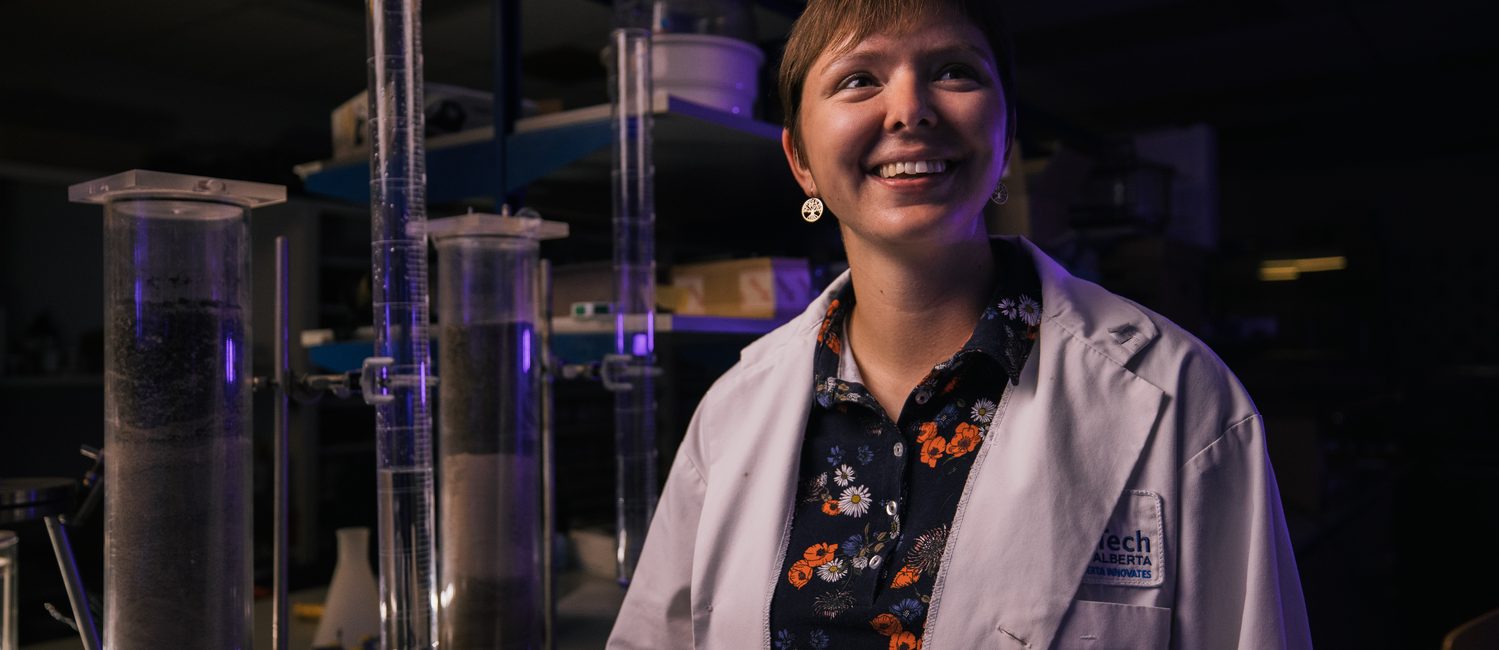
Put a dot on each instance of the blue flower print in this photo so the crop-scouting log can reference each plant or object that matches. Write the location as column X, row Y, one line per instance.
column 852, row 545
column 818, row 639
column 947, row 415
column 908, row 610
column 835, row 456
column 785, row 639
column 866, row 455
column 991, row 313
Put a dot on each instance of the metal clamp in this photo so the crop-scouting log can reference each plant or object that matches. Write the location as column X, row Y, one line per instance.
column 619, row 371
column 376, row 381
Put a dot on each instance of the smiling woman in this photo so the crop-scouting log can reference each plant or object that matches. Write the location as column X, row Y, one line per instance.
column 902, row 136
column 1041, row 411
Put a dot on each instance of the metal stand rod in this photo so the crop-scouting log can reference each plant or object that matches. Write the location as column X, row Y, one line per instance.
column 63, row 549
column 548, row 460
column 507, row 95
column 280, row 622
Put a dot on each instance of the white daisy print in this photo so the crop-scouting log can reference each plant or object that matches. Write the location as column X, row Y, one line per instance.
column 854, row 501
column 1030, row 310
column 1008, row 308
column 843, row 476
column 874, row 561
column 859, row 562
column 983, row 411
column 833, row 571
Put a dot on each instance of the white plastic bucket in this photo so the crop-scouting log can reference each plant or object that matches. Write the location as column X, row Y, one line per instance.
column 715, row 71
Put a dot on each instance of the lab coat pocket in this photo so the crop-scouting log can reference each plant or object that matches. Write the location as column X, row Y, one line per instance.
column 1092, row 625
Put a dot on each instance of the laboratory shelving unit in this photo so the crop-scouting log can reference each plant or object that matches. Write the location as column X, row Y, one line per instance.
column 569, row 146
column 722, row 190
column 721, row 186
column 721, row 179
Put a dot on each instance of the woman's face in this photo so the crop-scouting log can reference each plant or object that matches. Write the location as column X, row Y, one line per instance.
column 903, row 135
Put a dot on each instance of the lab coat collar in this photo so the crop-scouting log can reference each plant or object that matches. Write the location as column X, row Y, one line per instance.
column 1112, row 326
column 1079, row 406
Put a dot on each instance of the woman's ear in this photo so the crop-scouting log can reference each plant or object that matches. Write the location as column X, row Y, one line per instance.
column 799, row 170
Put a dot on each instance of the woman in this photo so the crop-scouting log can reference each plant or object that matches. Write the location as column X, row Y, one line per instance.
column 958, row 445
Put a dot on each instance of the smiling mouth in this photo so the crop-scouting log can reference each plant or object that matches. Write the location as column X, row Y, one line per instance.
column 912, row 168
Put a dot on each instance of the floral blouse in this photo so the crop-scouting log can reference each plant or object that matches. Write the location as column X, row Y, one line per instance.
column 876, row 498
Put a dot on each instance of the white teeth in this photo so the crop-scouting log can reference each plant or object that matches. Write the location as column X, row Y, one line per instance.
column 912, row 167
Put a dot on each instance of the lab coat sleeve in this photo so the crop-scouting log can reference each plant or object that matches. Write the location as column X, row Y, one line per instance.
column 657, row 611
column 1238, row 586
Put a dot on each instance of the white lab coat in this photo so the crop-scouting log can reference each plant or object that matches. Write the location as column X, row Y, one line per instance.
column 1121, row 421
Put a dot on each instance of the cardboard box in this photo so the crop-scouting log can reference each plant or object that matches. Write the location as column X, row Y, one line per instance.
column 761, row 287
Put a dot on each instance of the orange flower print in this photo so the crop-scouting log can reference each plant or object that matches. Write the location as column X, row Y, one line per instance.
column 818, row 554
column 964, row 441
column 830, row 507
column 907, row 576
column 932, row 450
column 834, row 344
column 826, row 322
column 886, row 624
column 800, row 574
column 904, row 641
column 928, row 429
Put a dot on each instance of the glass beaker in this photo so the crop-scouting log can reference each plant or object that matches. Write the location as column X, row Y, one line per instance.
column 491, row 528
column 177, row 547
column 9, row 608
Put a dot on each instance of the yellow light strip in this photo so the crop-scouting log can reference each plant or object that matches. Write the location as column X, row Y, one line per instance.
column 1285, row 270
column 1269, row 273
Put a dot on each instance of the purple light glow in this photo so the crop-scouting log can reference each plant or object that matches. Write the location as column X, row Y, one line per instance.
column 140, row 252
column 641, row 345
column 229, row 360
column 140, row 292
column 525, row 350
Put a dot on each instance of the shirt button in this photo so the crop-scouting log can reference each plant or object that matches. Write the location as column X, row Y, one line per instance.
column 899, row 448
column 890, row 508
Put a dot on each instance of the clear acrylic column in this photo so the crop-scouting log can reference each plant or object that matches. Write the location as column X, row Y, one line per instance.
column 633, row 183
column 9, row 591
column 177, row 546
column 403, row 419
column 491, row 526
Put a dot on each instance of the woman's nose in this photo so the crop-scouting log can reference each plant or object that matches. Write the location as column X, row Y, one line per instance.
column 909, row 105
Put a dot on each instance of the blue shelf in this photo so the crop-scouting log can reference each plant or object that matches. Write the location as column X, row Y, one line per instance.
column 573, row 341
column 462, row 165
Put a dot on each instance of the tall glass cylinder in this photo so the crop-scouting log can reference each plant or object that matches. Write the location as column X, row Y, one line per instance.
column 398, row 238
column 633, row 185
column 491, row 524
column 8, row 591
column 177, row 542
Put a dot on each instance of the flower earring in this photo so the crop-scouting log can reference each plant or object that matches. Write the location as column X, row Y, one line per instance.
column 812, row 210
column 1001, row 194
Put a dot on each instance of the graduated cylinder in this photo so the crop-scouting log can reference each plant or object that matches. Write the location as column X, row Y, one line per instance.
column 177, row 571
column 491, row 527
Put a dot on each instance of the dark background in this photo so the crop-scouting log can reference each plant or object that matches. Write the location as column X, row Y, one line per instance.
column 1360, row 129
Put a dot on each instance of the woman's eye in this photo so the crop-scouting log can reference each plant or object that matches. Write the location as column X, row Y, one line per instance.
column 860, row 80
column 956, row 72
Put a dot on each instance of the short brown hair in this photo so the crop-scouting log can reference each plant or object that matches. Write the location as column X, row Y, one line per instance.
column 826, row 23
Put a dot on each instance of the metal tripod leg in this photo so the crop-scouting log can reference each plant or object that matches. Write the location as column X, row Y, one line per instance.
column 63, row 549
